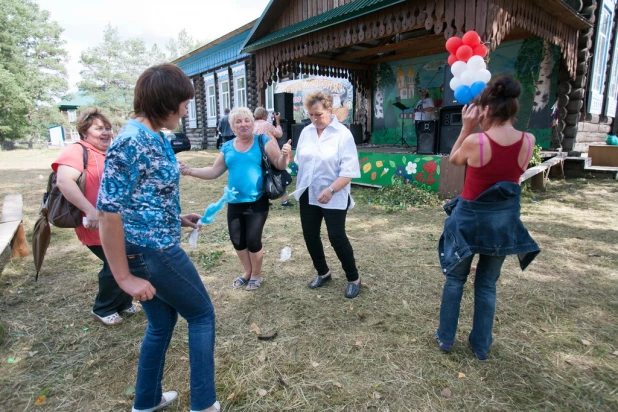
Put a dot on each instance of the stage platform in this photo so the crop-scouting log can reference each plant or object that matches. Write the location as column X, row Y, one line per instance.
column 381, row 165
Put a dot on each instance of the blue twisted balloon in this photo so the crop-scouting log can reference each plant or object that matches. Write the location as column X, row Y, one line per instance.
column 211, row 211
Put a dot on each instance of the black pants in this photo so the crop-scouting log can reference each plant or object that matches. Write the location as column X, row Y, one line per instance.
column 311, row 221
column 111, row 298
column 245, row 222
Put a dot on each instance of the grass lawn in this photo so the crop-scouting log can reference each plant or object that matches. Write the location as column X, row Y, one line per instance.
column 555, row 337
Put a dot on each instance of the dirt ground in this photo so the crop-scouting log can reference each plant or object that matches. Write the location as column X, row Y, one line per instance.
column 555, row 338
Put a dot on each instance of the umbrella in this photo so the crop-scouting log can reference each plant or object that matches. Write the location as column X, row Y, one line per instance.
column 40, row 241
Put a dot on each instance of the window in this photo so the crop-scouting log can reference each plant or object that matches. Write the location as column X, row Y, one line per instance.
column 601, row 53
column 225, row 94
column 212, row 101
column 192, row 113
column 240, row 92
column 72, row 115
column 270, row 98
column 612, row 84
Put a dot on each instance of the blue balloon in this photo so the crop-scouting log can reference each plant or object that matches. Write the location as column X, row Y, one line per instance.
column 463, row 94
column 477, row 88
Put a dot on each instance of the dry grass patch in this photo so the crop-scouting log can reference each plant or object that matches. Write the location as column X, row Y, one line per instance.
column 555, row 331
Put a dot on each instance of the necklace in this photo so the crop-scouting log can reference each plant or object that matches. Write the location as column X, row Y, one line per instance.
column 245, row 147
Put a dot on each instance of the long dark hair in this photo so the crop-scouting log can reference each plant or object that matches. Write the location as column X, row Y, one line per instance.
column 501, row 96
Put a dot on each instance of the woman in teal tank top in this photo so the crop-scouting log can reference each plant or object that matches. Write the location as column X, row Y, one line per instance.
column 246, row 215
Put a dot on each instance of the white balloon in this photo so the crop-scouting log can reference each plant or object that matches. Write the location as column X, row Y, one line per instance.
column 476, row 63
column 458, row 68
column 467, row 78
column 455, row 83
column 483, row 76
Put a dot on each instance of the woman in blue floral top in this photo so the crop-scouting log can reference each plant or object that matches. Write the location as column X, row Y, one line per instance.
column 140, row 228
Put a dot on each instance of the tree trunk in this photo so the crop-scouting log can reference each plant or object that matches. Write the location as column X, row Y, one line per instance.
column 540, row 116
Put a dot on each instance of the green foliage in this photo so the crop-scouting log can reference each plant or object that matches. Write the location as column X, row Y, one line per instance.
column 536, row 158
column 32, row 69
column 209, row 260
column 111, row 71
column 181, row 45
column 401, row 196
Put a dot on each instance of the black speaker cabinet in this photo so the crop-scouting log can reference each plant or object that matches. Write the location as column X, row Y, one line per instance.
column 296, row 130
column 287, row 133
column 448, row 99
column 357, row 132
column 284, row 104
column 450, row 127
column 426, row 136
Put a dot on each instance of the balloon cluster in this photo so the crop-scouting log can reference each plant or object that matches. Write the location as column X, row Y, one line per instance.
column 470, row 74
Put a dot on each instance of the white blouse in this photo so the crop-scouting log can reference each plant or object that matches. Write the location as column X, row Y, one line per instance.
column 321, row 160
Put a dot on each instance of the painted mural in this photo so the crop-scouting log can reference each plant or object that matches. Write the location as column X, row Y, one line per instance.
column 341, row 89
column 533, row 62
column 381, row 169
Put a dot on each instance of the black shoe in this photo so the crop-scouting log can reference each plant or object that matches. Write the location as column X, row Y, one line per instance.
column 352, row 290
column 319, row 281
column 287, row 203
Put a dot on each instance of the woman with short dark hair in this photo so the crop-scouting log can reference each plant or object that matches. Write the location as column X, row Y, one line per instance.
column 139, row 204
column 484, row 220
column 95, row 132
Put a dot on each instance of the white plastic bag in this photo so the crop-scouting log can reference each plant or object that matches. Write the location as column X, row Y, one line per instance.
column 286, row 253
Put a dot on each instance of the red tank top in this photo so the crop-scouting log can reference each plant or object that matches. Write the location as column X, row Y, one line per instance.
column 502, row 167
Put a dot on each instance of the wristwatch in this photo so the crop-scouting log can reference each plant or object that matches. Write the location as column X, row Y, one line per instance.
column 332, row 191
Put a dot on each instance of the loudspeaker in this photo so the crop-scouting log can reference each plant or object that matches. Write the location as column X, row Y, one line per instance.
column 287, row 133
column 296, row 130
column 448, row 99
column 357, row 132
column 450, row 127
column 284, row 104
column 426, row 136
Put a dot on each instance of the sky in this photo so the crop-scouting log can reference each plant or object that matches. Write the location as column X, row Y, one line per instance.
column 155, row 21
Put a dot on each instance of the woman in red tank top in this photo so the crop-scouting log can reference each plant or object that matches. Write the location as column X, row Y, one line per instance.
column 494, row 157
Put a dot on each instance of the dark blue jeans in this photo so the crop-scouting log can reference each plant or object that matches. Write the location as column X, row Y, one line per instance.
column 487, row 274
column 179, row 290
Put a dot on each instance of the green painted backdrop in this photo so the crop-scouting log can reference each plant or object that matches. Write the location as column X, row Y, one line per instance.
column 531, row 61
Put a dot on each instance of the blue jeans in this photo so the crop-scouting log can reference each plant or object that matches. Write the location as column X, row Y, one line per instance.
column 487, row 274
column 179, row 290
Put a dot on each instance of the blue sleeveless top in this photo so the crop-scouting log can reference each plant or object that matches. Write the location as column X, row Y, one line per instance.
column 245, row 170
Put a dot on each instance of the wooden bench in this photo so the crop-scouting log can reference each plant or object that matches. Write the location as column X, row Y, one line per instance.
column 539, row 175
column 12, row 230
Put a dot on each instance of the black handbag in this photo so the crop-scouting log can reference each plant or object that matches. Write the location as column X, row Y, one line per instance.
column 275, row 180
column 60, row 212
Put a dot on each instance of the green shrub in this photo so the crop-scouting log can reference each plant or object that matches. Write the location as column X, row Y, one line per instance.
column 536, row 158
column 402, row 196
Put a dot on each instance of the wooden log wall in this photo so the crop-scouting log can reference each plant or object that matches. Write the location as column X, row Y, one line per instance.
column 300, row 10
column 493, row 19
column 591, row 128
column 196, row 135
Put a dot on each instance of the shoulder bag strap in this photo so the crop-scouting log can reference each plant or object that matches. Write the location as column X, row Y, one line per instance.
column 81, row 182
column 265, row 161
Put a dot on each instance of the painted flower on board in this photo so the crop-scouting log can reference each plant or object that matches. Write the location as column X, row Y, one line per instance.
column 411, row 168
column 430, row 167
column 401, row 171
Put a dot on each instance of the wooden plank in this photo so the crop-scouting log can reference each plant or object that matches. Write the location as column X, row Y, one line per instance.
column 470, row 23
column 452, row 178
column 12, row 208
column 533, row 171
column 7, row 231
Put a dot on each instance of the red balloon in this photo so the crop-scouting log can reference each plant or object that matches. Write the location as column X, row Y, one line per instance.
column 464, row 53
column 453, row 44
column 480, row 50
column 471, row 38
column 452, row 59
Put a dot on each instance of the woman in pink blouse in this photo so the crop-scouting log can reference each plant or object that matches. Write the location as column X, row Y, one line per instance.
column 263, row 126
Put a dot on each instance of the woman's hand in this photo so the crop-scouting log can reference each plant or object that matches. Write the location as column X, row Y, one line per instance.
column 139, row 288
column 325, row 196
column 190, row 220
column 470, row 116
column 92, row 217
column 184, row 169
column 286, row 150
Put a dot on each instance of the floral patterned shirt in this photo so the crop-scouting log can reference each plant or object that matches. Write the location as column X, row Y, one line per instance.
column 141, row 182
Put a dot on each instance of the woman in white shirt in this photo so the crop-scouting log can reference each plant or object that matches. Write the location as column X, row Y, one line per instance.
column 425, row 107
column 327, row 162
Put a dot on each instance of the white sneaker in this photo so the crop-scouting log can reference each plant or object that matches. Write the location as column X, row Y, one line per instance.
column 169, row 397
column 217, row 406
column 132, row 310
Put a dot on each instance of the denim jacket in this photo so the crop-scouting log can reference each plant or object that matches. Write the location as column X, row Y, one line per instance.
column 488, row 225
